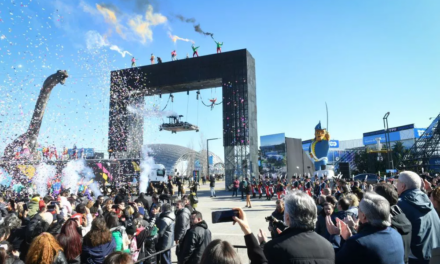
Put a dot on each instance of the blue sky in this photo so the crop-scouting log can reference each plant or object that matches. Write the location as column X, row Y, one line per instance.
column 271, row 140
column 364, row 58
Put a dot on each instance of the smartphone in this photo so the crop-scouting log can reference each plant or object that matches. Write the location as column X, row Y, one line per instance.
column 223, row 216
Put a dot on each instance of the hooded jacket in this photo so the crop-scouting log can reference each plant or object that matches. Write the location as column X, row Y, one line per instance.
column 165, row 223
column 403, row 226
column 194, row 243
column 182, row 223
column 425, row 223
column 33, row 206
column 95, row 255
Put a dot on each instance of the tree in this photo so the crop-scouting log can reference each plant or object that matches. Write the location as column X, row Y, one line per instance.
column 399, row 152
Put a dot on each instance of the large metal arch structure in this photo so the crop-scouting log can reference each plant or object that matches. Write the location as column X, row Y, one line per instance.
column 233, row 71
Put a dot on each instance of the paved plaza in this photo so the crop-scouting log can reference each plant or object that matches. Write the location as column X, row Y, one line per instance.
column 227, row 231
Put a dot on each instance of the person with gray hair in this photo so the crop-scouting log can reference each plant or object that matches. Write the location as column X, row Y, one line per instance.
column 421, row 213
column 376, row 242
column 299, row 242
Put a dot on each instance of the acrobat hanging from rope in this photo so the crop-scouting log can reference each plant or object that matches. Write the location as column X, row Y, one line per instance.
column 213, row 100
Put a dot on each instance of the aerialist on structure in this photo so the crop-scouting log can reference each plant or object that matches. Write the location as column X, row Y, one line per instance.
column 133, row 62
column 219, row 45
column 173, row 55
column 194, row 48
column 152, row 58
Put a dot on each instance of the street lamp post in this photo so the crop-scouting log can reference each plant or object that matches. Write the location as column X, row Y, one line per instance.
column 207, row 154
column 387, row 139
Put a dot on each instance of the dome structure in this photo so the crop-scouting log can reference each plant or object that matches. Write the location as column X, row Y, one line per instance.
column 177, row 157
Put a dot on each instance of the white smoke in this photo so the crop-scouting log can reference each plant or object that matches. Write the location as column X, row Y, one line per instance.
column 74, row 171
column 95, row 41
column 147, row 164
column 43, row 174
column 122, row 52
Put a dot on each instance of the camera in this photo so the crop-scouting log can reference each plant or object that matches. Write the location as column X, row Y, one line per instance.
column 269, row 218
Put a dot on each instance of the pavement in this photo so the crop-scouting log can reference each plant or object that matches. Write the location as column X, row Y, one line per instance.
column 261, row 208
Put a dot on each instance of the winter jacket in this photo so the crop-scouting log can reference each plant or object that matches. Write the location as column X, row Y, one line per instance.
column 76, row 260
column 425, row 223
column 372, row 245
column 119, row 234
column 403, row 226
column 182, row 224
column 212, row 181
column 194, row 243
column 60, row 258
column 165, row 223
column 33, row 206
column 295, row 246
column 96, row 255
column 236, row 184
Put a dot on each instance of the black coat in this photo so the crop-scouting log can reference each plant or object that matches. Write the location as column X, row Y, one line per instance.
column 212, row 181
column 295, row 246
column 183, row 223
column 60, row 259
column 194, row 243
column 403, row 226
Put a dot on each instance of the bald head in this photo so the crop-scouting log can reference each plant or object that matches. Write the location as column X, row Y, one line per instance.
column 408, row 180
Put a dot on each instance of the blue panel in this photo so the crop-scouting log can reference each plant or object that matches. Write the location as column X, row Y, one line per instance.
column 370, row 140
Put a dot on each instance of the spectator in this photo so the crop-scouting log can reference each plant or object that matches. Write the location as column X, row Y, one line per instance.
column 212, row 185
column 220, row 252
column 321, row 223
column 143, row 199
column 187, row 203
column 236, row 185
column 155, row 199
column 243, row 188
column 118, row 232
column 398, row 218
column 277, row 214
column 118, row 258
column 45, row 250
column 376, row 242
column 98, row 243
column 248, row 191
column 33, row 206
column 299, row 243
column 343, row 205
column 145, row 239
column 71, row 242
column 319, row 203
column 422, row 215
column 435, row 199
column 183, row 223
column 354, row 203
column 195, row 241
column 166, row 233
column 7, row 256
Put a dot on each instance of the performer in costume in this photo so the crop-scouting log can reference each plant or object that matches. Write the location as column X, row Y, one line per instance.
column 152, row 58
column 173, row 55
column 133, row 62
column 194, row 48
column 219, row 46
column 319, row 148
column 260, row 189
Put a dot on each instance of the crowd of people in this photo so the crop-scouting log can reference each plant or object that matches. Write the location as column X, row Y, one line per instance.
column 338, row 223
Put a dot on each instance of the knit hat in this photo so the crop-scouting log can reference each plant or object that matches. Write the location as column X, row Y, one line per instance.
column 41, row 205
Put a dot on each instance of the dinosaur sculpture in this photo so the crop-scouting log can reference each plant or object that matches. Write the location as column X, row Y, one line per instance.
column 30, row 137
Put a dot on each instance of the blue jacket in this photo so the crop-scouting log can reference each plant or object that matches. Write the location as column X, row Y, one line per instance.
column 96, row 255
column 372, row 245
column 425, row 223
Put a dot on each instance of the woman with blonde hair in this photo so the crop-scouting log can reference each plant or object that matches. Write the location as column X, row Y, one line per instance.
column 45, row 250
